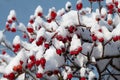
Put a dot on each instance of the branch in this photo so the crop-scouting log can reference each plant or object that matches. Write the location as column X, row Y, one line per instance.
column 108, row 57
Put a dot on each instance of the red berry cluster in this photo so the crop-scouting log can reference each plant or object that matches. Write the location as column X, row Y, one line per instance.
column 76, row 51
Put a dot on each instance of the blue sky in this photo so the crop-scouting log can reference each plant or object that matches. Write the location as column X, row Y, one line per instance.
column 24, row 8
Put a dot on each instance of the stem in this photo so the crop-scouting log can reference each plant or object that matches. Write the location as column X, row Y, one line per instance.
column 99, row 3
column 91, row 6
column 78, row 18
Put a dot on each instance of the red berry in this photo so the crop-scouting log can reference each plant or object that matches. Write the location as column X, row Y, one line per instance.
column 40, row 42
column 71, row 29
column 39, row 14
column 13, row 18
column 11, row 76
column 110, row 22
column 64, row 40
column 119, row 10
column 55, row 72
column 116, row 3
column 115, row 38
column 30, row 65
column 82, row 78
column 31, row 21
column 74, row 52
column 39, row 75
column 49, row 73
column 110, row 11
column 17, row 46
column 10, row 21
column 15, row 50
column 31, row 40
column 5, row 76
column 69, row 76
column 46, row 45
column 101, row 39
column 79, row 49
column 3, row 52
column 49, row 20
column 19, row 67
column 100, row 30
column 79, row 6
column 37, row 62
column 32, row 58
column 8, row 27
column 94, row 38
column 30, row 29
column 24, row 36
column 110, row 6
column 59, row 51
column 59, row 37
column 13, row 29
column 21, row 62
column 53, row 15
column 42, row 62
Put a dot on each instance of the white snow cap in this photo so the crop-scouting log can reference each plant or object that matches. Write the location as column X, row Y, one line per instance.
column 91, row 75
column 38, row 9
column 15, row 61
column 109, row 17
column 22, row 27
column 16, row 40
column 75, row 43
column 119, row 4
column 61, row 12
column 108, row 1
column 32, row 17
column 103, row 11
column 13, row 25
column 13, row 13
column 82, row 72
column 1, row 36
column 68, row 4
column 79, row 1
column 41, row 32
column 70, row 18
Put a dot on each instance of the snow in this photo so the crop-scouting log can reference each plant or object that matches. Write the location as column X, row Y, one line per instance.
column 81, row 60
column 108, row 1
column 13, row 25
column 16, row 40
column 15, row 61
column 61, row 12
column 68, row 4
column 52, row 59
column 1, row 36
column 70, row 18
column 12, row 13
column 37, row 10
column 75, row 43
column 103, row 11
column 97, row 51
column 82, row 72
column 21, row 27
